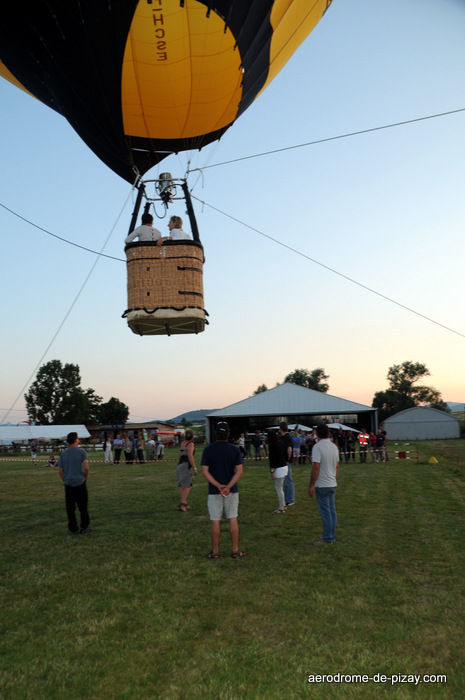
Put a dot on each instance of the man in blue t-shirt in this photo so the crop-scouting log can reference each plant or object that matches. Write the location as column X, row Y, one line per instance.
column 74, row 470
column 222, row 468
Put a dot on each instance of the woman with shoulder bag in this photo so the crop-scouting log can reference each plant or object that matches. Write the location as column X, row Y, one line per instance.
column 186, row 469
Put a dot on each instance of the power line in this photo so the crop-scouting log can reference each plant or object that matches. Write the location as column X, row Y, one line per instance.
column 49, row 233
column 330, row 269
column 67, row 313
column 333, row 138
column 256, row 155
column 274, row 240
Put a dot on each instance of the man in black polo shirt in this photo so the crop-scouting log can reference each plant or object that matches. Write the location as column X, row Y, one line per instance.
column 222, row 468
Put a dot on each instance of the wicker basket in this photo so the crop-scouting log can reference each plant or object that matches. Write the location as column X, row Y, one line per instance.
column 165, row 288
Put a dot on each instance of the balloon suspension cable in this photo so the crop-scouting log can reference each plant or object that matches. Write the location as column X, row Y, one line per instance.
column 140, row 193
column 200, row 175
column 138, row 176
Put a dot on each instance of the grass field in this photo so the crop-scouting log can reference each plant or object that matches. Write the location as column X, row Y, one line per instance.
column 135, row 611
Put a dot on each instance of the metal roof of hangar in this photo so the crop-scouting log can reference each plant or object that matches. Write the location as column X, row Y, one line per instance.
column 290, row 399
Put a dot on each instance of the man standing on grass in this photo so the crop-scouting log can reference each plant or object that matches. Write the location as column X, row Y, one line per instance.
column 222, row 468
column 323, row 482
column 74, row 470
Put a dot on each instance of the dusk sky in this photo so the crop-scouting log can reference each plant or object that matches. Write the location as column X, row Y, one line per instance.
column 345, row 254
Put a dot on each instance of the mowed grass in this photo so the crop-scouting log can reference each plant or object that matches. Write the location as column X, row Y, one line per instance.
column 135, row 611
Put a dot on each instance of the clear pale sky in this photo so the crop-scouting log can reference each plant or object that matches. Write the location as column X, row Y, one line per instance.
column 385, row 209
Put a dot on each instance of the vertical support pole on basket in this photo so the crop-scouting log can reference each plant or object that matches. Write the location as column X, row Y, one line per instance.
column 135, row 213
column 190, row 211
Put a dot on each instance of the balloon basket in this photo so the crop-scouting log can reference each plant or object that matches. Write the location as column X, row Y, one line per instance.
column 165, row 288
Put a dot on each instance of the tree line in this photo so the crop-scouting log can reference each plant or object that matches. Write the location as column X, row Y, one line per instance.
column 403, row 389
column 316, row 379
column 56, row 397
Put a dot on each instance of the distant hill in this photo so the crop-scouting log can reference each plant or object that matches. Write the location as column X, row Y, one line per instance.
column 456, row 406
column 194, row 416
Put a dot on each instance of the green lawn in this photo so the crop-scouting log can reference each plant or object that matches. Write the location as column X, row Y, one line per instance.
column 135, row 611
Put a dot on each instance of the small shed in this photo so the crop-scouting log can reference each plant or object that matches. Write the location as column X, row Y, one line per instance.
column 422, row 423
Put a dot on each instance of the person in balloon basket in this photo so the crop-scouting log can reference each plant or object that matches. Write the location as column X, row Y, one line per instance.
column 176, row 233
column 73, row 468
column 222, row 468
column 323, row 483
column 146, row 232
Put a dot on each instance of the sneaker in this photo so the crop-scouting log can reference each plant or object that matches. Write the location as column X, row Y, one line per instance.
column 85, row 531
column 320, row 542
column 291, row 504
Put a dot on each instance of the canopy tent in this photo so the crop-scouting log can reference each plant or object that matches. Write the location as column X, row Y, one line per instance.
column 18, row 433
column 294, row 426
column 336, row 426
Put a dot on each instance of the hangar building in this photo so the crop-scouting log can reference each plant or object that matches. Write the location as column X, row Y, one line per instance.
column 422, row 423
column 293, row 404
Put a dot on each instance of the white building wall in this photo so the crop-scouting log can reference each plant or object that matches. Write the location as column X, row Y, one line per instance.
column 422, row 423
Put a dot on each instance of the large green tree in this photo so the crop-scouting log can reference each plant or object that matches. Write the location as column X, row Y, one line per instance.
column 113, row 412
column 316, row 379
column 404, row 392
column 56, row 396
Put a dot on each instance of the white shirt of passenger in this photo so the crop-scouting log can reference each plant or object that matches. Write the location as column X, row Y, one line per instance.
column 177, row 234
column 144, row 233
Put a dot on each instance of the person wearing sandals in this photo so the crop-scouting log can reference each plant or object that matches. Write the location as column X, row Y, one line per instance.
column 222, row 468
column 186, row 469
column 278, row 469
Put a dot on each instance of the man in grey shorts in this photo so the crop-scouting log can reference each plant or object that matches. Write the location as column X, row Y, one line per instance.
column 222, row 468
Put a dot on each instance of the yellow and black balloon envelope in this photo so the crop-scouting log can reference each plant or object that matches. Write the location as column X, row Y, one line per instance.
column 140, row 79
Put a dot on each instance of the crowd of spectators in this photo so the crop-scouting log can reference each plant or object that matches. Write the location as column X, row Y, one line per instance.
column 254, row 446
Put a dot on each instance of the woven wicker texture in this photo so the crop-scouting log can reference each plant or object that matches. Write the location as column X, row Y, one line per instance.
column 165, row 288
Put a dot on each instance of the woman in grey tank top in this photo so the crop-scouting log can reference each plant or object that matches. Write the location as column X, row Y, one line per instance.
column 186, row 469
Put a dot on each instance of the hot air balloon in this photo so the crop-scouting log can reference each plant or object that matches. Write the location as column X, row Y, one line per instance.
column 142, row 79
column 165, row 283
